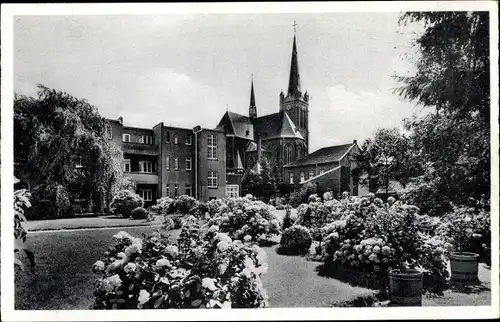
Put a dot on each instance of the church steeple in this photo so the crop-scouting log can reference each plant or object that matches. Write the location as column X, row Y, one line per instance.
column 252, row 111
column 294, row 81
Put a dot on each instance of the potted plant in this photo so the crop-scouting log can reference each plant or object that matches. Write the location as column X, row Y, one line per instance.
column 464, row 261
column 405, row 286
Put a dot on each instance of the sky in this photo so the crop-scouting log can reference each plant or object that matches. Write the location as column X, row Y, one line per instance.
column 187, row 70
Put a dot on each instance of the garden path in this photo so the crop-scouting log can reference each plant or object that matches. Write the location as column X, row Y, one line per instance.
column 292, row 281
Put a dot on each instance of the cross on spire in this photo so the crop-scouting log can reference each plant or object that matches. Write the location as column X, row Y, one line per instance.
column 294, row 26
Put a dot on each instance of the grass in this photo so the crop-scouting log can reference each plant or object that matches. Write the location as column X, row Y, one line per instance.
column 92, row 222
column 291, row 281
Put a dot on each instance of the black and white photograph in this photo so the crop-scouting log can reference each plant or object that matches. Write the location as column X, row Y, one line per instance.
column 322, row 157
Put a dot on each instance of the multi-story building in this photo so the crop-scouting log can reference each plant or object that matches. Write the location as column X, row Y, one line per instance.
column 172, row 161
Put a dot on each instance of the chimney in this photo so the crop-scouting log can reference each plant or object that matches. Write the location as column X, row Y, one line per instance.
column 120, row 119
column 259, row 148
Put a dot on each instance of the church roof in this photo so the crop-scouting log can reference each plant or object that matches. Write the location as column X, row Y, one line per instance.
column 271, row 126
column 237, row 125
column 324, row 155
column 252, row 147
column 294, row 81
column 277, row 125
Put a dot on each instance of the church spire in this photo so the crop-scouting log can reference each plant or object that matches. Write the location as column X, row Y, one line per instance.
column 294, row 82
column 253, row 108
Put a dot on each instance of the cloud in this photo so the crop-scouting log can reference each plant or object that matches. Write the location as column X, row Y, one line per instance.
column 347, row 115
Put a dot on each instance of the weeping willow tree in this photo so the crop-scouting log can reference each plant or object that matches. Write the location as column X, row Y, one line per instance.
column 452, row 82
column 61, row 150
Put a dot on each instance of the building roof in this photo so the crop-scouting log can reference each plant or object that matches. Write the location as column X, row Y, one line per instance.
column 294, row 80
column 324, row 155
column 277, row 125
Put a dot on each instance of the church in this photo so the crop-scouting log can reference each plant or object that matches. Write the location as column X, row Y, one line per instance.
column 283, row 139
column 208, row 163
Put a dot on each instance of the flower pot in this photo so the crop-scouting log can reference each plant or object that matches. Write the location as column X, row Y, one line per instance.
column 464, row 267
column 406, row 287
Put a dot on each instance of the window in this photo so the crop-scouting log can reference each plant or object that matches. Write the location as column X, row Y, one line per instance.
column 188, row 163
column 321, row 171
column 232, row 191
column 167, row 134
column 299, row 152
column 311, row 173
column 126, row 165
column 176, row 190
column 176, row 163
column 176, row 139
column 288, row 154
column 167, row 161
column 145, row 166
column 167, row 190
column 291, row 178
column 79, row 163
column 126, row 137
column 146, row 194
column 212, row 179
column 188, row 139
column 188, row 190
column 146, row 139
column 109, row 131
column 212, row 146
column 302, row 177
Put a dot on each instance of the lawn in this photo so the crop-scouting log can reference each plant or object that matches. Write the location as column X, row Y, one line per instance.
column 92, row 222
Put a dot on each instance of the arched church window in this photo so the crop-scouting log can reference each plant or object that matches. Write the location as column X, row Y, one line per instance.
column 288, row 154
column 299, row 151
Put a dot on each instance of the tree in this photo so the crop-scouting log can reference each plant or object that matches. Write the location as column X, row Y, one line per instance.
column 267, row 182
column 453, row 82
column 390, row 155
column 54, row 133
column 250, row 183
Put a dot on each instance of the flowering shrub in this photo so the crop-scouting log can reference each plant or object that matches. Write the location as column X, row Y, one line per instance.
column 214, row 206
column 139, row 213
column 302, row 196
column 162, row 205
column 183, row 205
column 240, row 217
column 287, row 220
column 206, row 269
column 125, row 201
column 372, row 237
column 295, row 240
column 467, row 229
column 21, row 203
column 172, row 222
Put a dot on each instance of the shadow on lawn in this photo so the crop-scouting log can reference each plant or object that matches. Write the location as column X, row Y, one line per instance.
column 470, row 288
column 352, row 277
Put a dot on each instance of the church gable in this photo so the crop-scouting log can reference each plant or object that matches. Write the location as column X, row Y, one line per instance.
column 237, row 125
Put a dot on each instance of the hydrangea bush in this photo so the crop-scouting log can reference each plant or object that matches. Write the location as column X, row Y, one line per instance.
column 295, row 240
column 469, row 230
column 239, row 217
column 162, row 205
column 140, row 213
column 204, row 269
column 125, row 201
column 371, row 236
